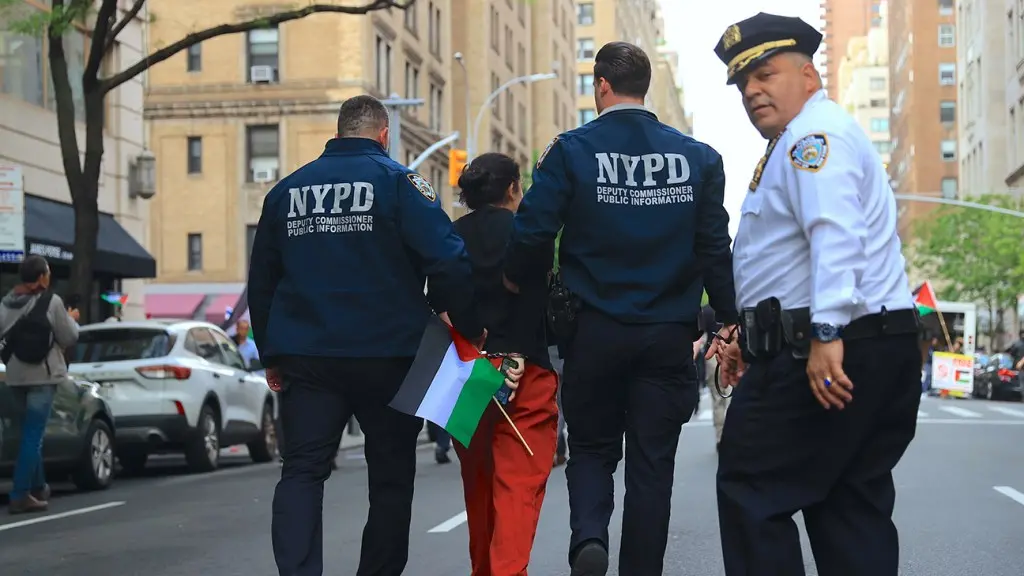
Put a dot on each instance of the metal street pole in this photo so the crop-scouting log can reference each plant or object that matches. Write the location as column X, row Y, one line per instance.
column 394, row 105
column 960, row 203
column 471, row 152
column 467, row 106
column 433, row 148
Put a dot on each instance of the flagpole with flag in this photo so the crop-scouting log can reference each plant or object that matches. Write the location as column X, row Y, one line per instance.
column 927, row 303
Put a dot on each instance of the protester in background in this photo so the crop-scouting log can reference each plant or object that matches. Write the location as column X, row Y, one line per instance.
column 72, row 304
column 36, row 329
column 562, row 448
column 719, row 404
column 504, row 484
column 442, row 443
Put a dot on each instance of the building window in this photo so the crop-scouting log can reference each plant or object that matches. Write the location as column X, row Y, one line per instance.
column 947, row 35
column 412, row 81
column 877, row 83
column 436, row 106
column 22, row 72
column 948, row 150
column 262, row 49
column 945, row 7
column 947, row 74
column 195, row 252
column 947, row 111
column 586, row 115
column 250, row 238
column 510, row 110
column 522, row 120
column 495, row 31
column 883, row 146
column 584, row 13
column 410, row 18
column 435, row 46
column 496, row 141
column 585, row 49
column 262, row 151
column 585, row 85
column 949, row 188
column 509, row 54
column 195, row 155
column 522, row 60
column 382, row 56
column 878, row 103
column 496, row 105
column 879, row 124
column 194, row 58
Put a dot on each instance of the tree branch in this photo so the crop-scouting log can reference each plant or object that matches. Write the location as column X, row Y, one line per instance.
column 106, row 14
column 128, row 17
column 256, row 23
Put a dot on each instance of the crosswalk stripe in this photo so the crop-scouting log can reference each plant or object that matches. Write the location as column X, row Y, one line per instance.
column 963, row 412
column 1007, row 411
column 922, row 414
column 706, row 415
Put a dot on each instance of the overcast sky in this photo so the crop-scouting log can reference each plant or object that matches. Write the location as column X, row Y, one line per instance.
column 694, row 29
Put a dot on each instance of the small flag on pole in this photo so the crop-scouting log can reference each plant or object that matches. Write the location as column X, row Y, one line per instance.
column 924, row 298
column 450, row 383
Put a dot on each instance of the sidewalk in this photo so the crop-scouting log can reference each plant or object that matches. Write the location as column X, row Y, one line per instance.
column 354, row 441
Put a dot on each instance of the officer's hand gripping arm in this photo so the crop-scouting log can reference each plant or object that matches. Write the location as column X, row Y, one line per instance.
column 427, row 231
column 712, row 244
column 540, row 216
column 265, row 271
column 826, row 200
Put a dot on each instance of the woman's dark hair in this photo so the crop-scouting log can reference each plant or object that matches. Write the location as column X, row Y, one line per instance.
column 486, row 180
column 32, row 268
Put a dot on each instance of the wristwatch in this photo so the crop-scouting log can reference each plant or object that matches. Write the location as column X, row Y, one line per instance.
column 826, row 332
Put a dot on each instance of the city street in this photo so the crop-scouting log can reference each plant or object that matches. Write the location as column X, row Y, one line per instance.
column 960, row 511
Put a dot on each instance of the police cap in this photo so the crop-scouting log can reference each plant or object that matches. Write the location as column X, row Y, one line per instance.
column 750, row 42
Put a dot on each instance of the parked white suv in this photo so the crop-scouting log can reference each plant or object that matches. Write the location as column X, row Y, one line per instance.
column 177, row 386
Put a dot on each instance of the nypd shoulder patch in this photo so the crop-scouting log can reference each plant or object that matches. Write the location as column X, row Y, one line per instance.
column 544, row 154
column 810, row 152
column 424, row 187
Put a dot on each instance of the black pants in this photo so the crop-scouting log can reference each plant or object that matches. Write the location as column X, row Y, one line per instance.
column 632, row 379
column 321, row 395
column 781, row 452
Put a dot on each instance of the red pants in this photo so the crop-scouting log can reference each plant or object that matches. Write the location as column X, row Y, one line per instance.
column 504, row 485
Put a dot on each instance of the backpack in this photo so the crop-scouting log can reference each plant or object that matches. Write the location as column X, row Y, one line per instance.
column 31, row 337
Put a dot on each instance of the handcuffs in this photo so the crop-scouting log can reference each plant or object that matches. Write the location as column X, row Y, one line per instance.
column 718, row 365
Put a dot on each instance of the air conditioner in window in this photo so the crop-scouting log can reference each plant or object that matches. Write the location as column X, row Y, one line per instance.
column 261, row 74
column 264, row 175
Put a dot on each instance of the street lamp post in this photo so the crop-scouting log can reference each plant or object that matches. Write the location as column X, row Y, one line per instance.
column 472, row 145
column 393, row 104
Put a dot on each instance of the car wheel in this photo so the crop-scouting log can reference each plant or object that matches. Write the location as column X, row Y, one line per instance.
column 203, row 450
column 264, row 448
column 95, row 469
column 133, row 461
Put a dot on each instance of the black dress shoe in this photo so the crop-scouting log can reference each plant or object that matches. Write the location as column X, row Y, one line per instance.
column 591, row 560
column 441, row 457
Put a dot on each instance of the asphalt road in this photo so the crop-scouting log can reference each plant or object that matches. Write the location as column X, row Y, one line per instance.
column 960, row 510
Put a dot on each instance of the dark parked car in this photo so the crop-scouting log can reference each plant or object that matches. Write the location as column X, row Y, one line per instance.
column 998, row 379
column 79, row 436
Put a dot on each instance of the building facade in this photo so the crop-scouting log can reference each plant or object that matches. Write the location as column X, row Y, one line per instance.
column 232, row 115
column 1013, row 94
column 863, row 78
column 981, row 43
column 553, row 38
column 923, row 78
column 29, row 140
column 666, row 87
column 841, row 21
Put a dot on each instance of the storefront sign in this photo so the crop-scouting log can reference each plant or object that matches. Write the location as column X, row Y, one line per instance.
column 12, row 214
column 50, row 251
column 953, row 373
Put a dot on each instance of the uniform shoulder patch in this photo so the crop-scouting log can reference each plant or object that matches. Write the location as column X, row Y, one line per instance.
column 544, row 154
column 810, row 152
column 421, row 184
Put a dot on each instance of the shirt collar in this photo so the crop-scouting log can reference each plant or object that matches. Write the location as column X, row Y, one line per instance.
column 339, row 146
column 625, row 106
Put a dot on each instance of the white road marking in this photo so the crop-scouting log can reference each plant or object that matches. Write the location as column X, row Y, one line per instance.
column 1010, row 493
column 60, row 515
column 971, row 422
column 922, row 414
column 706, row 415
column 449, row 524
column 957, row 411
column 1007, row 411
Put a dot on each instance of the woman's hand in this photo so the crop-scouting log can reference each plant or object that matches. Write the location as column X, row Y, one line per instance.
column 514, row 374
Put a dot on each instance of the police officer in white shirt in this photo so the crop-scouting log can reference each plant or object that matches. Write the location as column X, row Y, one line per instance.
column 827, row 363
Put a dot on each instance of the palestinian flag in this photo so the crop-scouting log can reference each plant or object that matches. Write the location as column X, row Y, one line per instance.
column 450, row 382
column 924, row 298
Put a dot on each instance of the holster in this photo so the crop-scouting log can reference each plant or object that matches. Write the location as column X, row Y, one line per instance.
column 562, row 312
column 767, row 330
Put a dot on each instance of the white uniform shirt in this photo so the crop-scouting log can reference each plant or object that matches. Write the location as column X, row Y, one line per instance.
column 820, row 228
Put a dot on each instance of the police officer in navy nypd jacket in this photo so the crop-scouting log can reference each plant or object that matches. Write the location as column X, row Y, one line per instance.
column 645, row 232
column 342, row 252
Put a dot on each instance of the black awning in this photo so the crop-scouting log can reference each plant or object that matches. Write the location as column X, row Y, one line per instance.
column 50, row 232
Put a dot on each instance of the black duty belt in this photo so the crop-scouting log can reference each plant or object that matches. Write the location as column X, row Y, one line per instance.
column 767, row 329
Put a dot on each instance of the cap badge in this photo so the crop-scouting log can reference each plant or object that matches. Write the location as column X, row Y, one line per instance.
column 731, row 37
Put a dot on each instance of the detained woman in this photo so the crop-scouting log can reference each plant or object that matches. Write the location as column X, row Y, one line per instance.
column 504, row 486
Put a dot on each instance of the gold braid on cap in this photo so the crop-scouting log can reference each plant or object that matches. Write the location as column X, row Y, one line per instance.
column 743, row 59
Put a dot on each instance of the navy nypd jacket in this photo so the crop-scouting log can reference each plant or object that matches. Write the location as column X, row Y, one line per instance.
column 342, row 252
column 645, row 229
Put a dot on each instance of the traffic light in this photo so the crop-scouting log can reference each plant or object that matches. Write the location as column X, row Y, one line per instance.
column 456, row 163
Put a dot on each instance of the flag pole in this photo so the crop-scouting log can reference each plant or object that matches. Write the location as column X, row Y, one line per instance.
column 510, row 423
column 945, row 331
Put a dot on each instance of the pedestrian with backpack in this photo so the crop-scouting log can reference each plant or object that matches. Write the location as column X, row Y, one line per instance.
column 35, row 329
